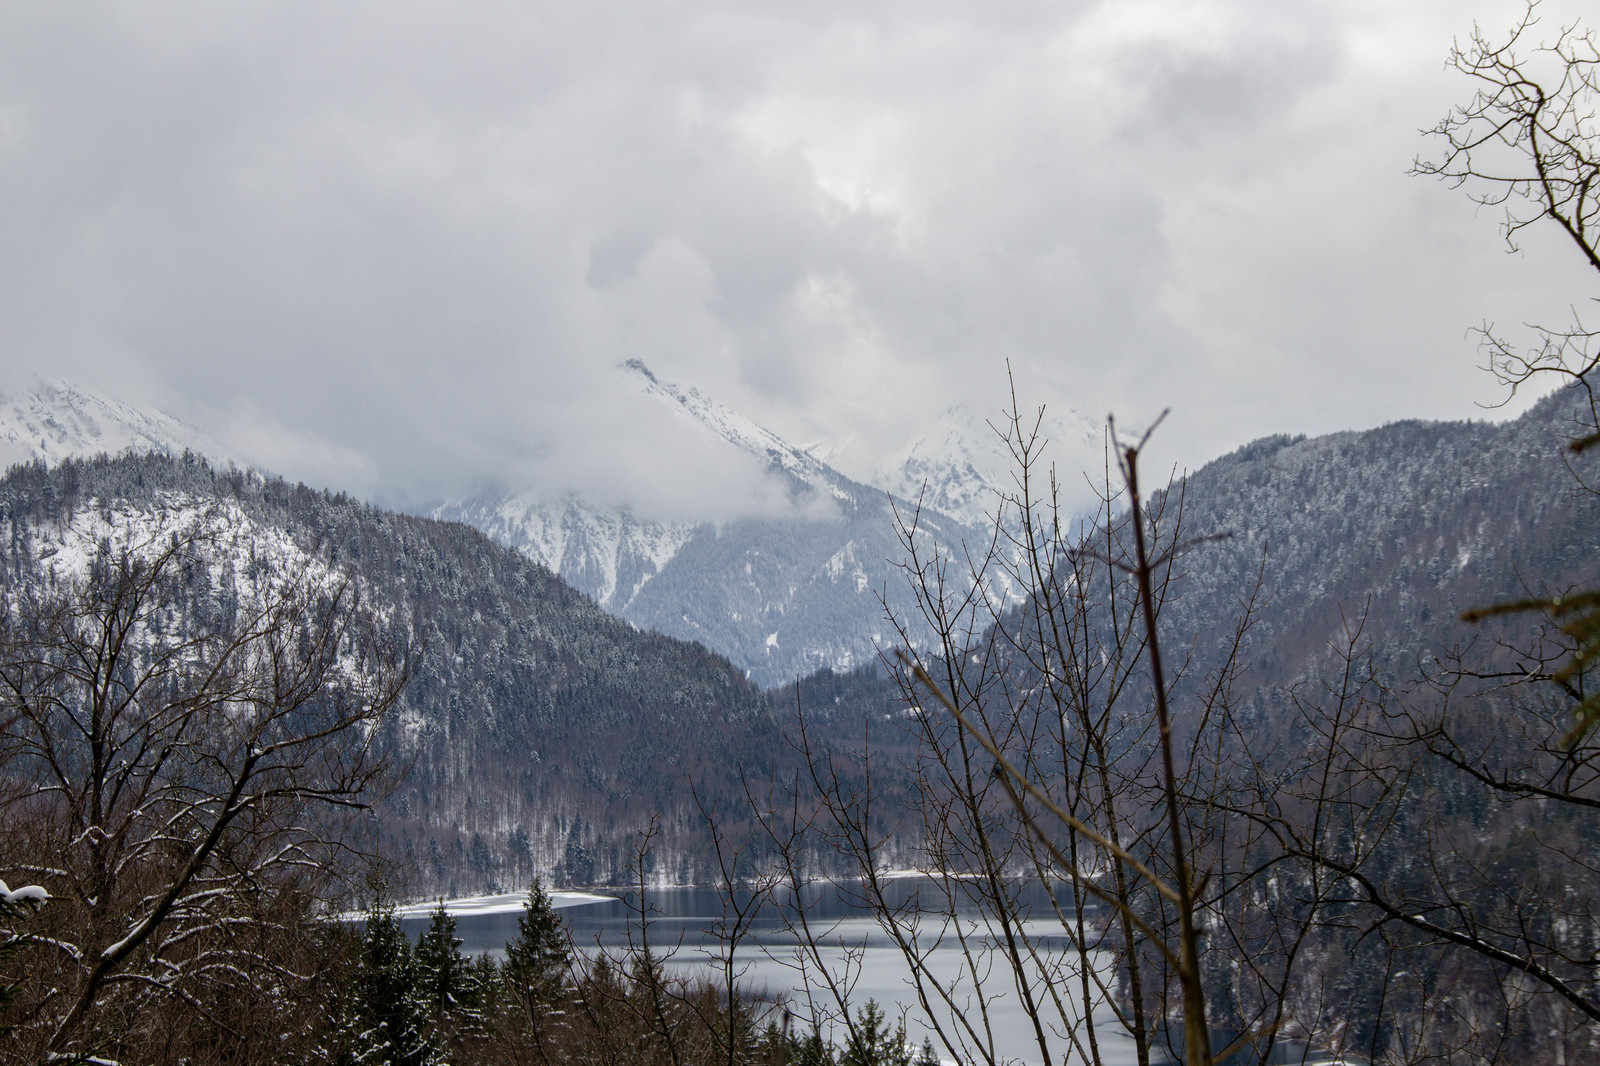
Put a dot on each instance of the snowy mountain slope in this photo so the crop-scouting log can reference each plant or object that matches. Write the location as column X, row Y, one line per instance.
column 249, row 559
column 534, row 727
column 800, row 465
column 784, row 598
column 779, row 596
column 51, row 419
column 608, row 554
column 966, row 466
column 611, row 553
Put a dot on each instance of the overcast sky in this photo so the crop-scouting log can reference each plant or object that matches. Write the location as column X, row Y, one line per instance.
column 397, row 248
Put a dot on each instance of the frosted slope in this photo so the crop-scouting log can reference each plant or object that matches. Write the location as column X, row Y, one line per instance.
column 966, row 466
column 51, row 420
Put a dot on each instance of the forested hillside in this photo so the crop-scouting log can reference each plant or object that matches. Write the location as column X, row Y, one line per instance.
column 535, row 729
column 1368, row 795
column 1402, row 527
column 537, row 735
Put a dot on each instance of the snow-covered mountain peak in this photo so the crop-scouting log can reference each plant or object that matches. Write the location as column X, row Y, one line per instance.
column 51, row 420
column 825, row 451
column 965, row 463
column 726, row 424
column 606, row 552
column 610, row 553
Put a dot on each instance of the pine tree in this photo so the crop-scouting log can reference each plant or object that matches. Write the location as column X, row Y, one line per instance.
column 539, row 958
column 811, row 1049
column 577, row 863
column 439, row 968
column 481, row 996
column 537, row 966
column 873, row 1043
column 386, row 998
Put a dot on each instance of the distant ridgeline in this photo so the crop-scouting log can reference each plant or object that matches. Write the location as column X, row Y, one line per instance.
column 1391, row 532
column 540, row 732
column 1399, row 529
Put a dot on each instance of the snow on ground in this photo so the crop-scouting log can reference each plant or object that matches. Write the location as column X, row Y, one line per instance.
column 503, row 903
column 249, row 563
column 257, row 562
column 726, row 424
column 50, row 419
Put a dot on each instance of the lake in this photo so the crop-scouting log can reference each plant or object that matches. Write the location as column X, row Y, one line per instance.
column 858, row 957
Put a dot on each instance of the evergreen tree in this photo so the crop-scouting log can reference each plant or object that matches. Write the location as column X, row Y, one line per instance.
column 537, row 966
column 386, row 999
column 539, row 958
column 873, row 1043
column 481, row 989
column 577, row 863
column 439, row 968
column 811, row 1049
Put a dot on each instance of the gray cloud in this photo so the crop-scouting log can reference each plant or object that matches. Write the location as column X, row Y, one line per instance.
column 398, row 248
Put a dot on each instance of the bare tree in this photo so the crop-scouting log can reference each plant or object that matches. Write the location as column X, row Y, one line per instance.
column 180, row 724
column 1527, row 144
column 1439, row 826
column 1063, row 805
column 1398, row 868
column 745, row 891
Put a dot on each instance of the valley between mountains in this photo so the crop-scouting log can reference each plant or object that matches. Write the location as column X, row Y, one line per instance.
column 576, row 671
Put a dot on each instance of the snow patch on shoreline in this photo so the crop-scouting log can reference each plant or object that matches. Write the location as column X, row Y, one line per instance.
column 501, row 903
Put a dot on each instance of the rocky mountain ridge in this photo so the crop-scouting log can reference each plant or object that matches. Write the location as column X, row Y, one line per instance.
column 781, row 596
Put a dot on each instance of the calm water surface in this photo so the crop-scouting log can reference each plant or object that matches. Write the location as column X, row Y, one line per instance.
column 861, row 960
